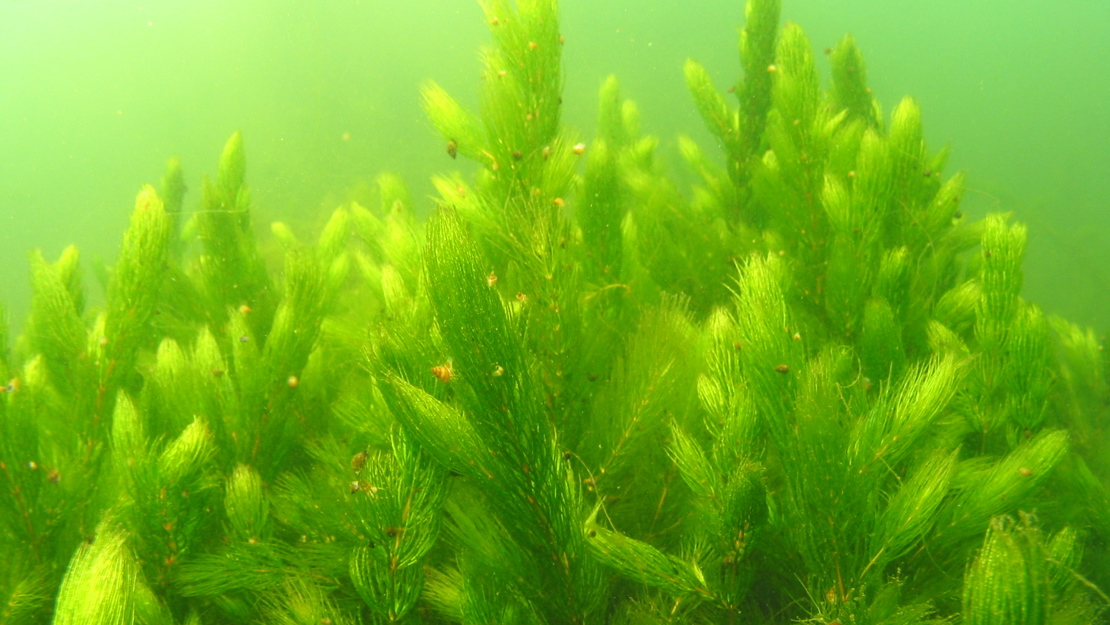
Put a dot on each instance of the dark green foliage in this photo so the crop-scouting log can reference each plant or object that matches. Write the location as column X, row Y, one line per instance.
column 806, row 390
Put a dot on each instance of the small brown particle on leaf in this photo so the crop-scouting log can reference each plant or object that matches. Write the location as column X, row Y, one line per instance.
column 358, row 461
column 782, row 369
column 1025, row 471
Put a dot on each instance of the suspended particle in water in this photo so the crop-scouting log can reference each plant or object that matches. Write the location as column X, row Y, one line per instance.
column 356, row 486
column 797, row 337
column 245, row 310
column 579, row 148
column 368, row 488
column 521, row 297
column 53, row 476
column 293, row 381
column 1025, row 471
column 491, row 279
column 559, row 202
column 358, row 461
column 532, row 45
column 244, row 339
column 772, row 68
column 782, row 369
column 546, row 152
column 444, row 372
column 452, row 148
column 498, row 371
column 517, row 155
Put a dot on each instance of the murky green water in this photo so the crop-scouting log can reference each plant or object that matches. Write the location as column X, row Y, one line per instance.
column 94, row 96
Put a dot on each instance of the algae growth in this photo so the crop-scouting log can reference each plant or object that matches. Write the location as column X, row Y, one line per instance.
column 806, row 389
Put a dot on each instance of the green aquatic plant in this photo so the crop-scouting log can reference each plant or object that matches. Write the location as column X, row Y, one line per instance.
column 806, row 390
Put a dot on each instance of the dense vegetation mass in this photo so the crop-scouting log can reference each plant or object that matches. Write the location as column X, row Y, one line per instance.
column 806, row 390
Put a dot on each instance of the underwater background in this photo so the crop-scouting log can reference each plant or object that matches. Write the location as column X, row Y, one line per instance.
column 95, row 96
column 580, row 374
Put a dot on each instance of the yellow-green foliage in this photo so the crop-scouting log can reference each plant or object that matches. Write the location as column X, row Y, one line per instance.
column 805, row 390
